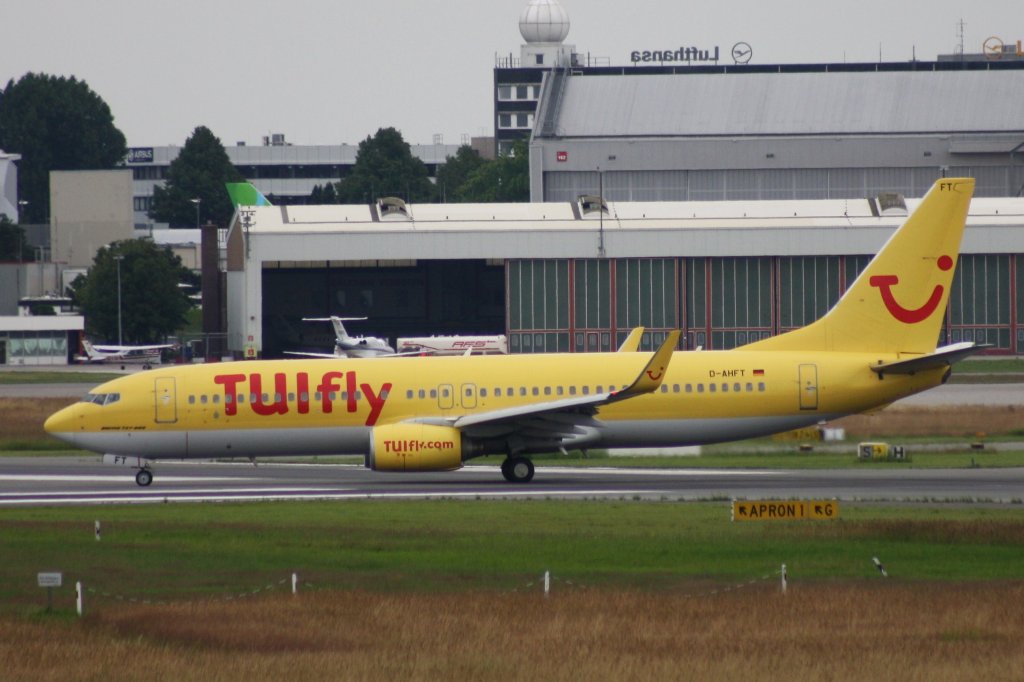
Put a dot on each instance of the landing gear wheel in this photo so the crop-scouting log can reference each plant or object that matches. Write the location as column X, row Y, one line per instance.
column 517, row 470
column 144, row 477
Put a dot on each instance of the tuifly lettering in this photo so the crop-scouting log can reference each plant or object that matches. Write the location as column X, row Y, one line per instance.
column 330, row 384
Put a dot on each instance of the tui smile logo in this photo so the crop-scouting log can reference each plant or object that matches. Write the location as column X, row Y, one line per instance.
column 909, row 315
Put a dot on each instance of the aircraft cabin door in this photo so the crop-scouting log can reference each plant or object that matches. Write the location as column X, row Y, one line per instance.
column 166, row 399
column 808, row 387
column 446, row 396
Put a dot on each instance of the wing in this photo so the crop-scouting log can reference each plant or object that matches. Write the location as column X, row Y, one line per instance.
column 127, row 349
column 304, row 354
column 565, row 423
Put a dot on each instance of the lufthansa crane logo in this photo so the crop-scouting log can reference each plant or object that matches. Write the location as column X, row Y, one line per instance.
column 909, row 315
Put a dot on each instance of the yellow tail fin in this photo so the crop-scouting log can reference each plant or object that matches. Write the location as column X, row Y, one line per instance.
column 898, row 302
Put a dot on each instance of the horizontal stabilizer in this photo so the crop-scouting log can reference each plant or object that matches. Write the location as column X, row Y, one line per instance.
column 632, row 342
column 942, row 357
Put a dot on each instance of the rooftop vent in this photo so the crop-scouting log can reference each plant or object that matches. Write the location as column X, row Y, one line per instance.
column 392, row 207
column 590, row 203
column 888, row 204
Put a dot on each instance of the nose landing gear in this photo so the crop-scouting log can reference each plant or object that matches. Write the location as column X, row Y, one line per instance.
column 144, row 477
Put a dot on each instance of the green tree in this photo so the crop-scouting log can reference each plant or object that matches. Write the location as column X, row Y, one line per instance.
column 199, row 172
column 55, row 123
column 323, row 195
column 455, row 171
column 12, row 242
column 384, row 167
column 506, row 179
column 152, row 303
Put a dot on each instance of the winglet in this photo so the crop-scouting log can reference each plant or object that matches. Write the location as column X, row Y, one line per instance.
column 245, row 194
column 632, row 342
column 653, row 373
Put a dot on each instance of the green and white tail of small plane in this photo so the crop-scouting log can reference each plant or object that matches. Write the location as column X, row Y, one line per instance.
column 245, row 194
column 898, row 303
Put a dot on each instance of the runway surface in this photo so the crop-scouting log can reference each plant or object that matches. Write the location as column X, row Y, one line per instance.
column 87, row 480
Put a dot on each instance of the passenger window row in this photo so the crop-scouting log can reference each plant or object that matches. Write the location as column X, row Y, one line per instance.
column 556, row 391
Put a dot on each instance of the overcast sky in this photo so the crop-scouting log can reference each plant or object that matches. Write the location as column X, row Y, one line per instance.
column 326, row 72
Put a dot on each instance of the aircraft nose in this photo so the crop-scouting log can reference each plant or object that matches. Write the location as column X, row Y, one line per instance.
column 63, row 424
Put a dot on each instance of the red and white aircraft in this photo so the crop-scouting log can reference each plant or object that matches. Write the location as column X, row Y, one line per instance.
column 145, row 355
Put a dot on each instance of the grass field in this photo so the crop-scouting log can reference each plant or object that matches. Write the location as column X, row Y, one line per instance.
column 62, row 377
column 426, row 590
column 816, row 632
column 451, row 590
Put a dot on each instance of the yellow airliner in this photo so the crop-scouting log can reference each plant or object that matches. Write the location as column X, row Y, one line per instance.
column 876, row 345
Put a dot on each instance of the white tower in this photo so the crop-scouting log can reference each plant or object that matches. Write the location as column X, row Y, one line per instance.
column 544, row 24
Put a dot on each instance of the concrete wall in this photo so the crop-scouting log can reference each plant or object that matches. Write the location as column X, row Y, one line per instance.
column 88, row 210
column 18, row 280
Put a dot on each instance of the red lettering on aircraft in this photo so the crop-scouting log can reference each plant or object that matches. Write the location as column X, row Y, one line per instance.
column 279, row 404
column 884, row 283
column 329, row 386
column 229, row 382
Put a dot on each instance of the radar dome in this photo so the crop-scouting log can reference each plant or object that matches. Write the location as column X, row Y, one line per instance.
column 544, row 21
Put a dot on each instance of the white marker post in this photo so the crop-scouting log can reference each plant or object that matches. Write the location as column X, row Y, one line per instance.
column 295, row 583
column 783, row 574
column 78, row 598
column 547, row 583
column 99, row 532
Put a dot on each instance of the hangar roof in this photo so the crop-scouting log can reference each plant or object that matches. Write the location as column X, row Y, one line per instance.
column 814, row 103
column 628, row 229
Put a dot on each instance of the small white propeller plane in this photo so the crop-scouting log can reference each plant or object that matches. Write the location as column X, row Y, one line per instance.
column 114, row 354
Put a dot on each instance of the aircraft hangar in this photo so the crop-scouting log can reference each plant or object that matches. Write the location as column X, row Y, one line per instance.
column 731, row 201
column 573, row 276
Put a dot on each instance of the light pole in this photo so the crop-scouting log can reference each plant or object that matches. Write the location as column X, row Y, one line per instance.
column 197, row 201
column 119, row 258
column 22, row 203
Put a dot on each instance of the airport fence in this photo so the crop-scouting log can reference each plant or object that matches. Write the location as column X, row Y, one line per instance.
column 545, row 585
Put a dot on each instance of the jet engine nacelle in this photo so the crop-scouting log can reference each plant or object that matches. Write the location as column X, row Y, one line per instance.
column 415, row 447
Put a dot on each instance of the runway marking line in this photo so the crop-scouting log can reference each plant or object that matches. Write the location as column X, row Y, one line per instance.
column 158, row 497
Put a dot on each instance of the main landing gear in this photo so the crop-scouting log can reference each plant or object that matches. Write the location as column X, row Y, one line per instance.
column 517, row 470
column 144, row 477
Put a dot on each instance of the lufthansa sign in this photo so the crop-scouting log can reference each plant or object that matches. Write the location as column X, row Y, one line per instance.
column 784, row 510
column 687, row 55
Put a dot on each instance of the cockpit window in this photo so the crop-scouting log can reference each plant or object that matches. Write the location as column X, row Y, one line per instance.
column 101, row 398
